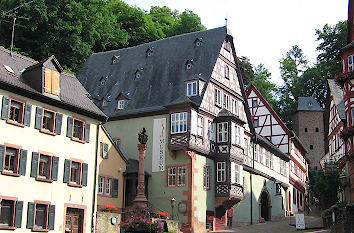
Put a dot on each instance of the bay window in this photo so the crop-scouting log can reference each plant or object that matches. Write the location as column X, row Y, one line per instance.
column 179, row 122
column 222, row 132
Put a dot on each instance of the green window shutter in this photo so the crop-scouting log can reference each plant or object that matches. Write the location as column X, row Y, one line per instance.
column 2, row 152
column 30, row 215
column 27, row 116
column 105, row 150
column 5, row 108
column 38, row 119
column 34, row 165
column 84, row 174
column 69, row 131
column 18, row 214
column 115, row 188
column 51, row 217
column 58, row 120
column 55, row 164
column 66, row 170
column 23, row 161
column 87, row 132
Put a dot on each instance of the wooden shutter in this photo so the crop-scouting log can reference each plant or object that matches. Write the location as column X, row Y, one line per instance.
column 67, row 163
column 23, row 160
column 27, row 116
column 104, row 150
column 38, row 119
column 2, row 152
column 30, row 215
column 84, row 174
column 34, row 164
column 58, row 121
column 5, row 108
column 69, row 131
column 51, row 217
column 47, row 80
column 55, row 164
column 55, row 82
column 115, row 188
column 87, row 132
column 18, row 214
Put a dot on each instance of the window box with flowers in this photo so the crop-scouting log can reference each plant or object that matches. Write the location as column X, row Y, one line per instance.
column 139, row 224
column 342, row 78
column 163, row 215
column 109, row 208
column 347, row 132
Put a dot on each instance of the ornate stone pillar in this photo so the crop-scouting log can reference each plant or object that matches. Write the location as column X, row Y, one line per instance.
column 140, row 199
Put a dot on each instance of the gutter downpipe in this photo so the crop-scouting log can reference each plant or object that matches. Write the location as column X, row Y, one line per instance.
column 253, row 152
column 94, row 215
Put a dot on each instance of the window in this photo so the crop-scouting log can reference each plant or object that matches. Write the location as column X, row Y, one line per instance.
column 352, row 116
column 120, row 104
column 245, row 146
column 75, row 173
column 104, row 150
column 48, row 121
column 107, row 186
column 117, row 142
column 311, row 147
column 211, row 131
column 267, row 158
column 222, row 132
column 192, row 88
column 226, row 101
column 138, row 74
column 271, row 160
column 51, row 81
column 200, row 126
column 283, row 168
column 206, row 178
column 40, row 216
column 176, row 176
column 220, row 172
column 217, row 97
column 234, row 107
column 256, row 122
column 350, row 63
column 10, row 213
column 238, row 135
column 179, row 122
column 44, row 166
column 181, row 176
column 316, row 130
column 254, row 103
column 305, row 130
column 100, row 185
column 227, row 72
column 16, row 111
column 11, row 160
column 237, row 173
column 78, row 130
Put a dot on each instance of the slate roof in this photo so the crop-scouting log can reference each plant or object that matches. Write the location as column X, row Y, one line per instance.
column 308, row 103
column 338, row 100
column 73, row 95
column 162, row 75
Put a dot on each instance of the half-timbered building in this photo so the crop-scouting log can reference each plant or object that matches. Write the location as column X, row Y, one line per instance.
column 269, row 125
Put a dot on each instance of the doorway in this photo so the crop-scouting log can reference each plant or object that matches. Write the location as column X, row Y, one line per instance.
column 265, row 206
column 74, row 220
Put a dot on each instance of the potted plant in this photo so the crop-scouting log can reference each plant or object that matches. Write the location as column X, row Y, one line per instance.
column 139, row 224
column 347, row 132
column 163, row 215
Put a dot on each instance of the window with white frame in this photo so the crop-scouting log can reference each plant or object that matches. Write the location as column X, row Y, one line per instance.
column 107, row 190
column 100, row 184
column 176, row 176
column 211, row 131
column 238, row 135
column 283, row 167
column 179, row 122
column 206, row 180
column 267, row 158
column 192, row 88
column 220, row 172
column 120, row 104
column 234, row 107
column 271, row 160
column 245, row 146
column 260, row 154
column 227, row 72
column 237, row 173
column 222, row 132
column 200, row 126
column 171, row 176
column 217, row 97
column 350, row 63
column 181, row 176
column 226, row 101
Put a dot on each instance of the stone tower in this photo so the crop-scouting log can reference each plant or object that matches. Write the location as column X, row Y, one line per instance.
column 309, row 127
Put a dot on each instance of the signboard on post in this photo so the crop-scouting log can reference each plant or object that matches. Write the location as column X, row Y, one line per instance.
column 300, row 221
column 158, row 145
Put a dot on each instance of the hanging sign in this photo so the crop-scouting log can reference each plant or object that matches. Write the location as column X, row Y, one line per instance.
column 159, row 145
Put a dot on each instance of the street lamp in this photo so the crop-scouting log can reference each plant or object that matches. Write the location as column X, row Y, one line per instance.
column 173, row 202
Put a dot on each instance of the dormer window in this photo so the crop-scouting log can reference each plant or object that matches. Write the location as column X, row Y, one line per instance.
column 115, row 59
column 227, row 72
column 51, row 81
column 103, row 81
column 138, row 74
column 198, row 42
column 120, row 104
column 310, row 104
column 192, row 88
column 222, row 132
column 148, row 52
column 189, row 64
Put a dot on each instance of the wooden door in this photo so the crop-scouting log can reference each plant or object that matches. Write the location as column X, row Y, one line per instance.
column 73, row 222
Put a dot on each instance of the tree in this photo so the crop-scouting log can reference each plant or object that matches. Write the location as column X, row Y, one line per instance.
column 246, row 69
column 187, row 22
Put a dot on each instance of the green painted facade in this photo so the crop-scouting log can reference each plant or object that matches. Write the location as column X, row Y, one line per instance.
column 242, row 210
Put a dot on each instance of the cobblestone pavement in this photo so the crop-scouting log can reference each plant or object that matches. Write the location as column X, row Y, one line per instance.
column 285, row 225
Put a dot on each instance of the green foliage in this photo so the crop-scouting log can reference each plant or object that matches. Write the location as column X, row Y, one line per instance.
column 73, row 30
column 246, row 70
column 324, row 186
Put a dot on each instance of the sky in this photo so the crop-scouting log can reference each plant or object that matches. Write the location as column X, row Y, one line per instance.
column 264, row 30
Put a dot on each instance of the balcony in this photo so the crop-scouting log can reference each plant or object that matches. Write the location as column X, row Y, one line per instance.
column 188, row 140
column 229, row 190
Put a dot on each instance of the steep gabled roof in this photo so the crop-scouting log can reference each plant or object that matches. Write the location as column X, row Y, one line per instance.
column 73, row 96
column 308, row 103
column 337, row 95
column 153, row 75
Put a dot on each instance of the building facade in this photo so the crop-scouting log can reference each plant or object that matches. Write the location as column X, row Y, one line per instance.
column 48, row 144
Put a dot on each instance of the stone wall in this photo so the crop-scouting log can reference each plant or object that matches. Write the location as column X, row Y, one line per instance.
column 104, row 222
